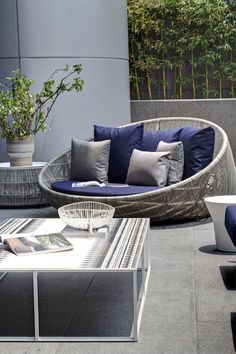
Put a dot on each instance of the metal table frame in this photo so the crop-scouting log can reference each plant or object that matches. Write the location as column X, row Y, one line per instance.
column 138, row 299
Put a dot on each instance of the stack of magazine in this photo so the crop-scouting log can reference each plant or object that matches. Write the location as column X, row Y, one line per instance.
column 26, row 244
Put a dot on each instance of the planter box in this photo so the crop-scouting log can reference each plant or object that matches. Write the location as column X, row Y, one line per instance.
column 219, row 111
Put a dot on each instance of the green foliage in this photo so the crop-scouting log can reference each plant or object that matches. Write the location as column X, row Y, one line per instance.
column 191, row 41
column 23, row 113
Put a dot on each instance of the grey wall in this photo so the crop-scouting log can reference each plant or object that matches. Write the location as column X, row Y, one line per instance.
column 219, row 111
column 47, row 34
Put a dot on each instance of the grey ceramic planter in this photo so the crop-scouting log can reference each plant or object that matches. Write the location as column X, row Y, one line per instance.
column 21, row 151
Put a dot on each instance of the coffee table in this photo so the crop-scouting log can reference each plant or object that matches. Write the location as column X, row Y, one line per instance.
column 124, row 247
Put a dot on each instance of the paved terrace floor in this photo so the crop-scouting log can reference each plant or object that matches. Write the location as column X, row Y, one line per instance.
column 191, row 300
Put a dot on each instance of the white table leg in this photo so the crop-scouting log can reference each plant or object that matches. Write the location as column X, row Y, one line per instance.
column 135, row 307
column 36, row 305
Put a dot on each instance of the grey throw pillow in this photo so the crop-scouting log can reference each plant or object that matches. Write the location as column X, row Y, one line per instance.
column 148, row 168
column 176, row 160
column 90, row 160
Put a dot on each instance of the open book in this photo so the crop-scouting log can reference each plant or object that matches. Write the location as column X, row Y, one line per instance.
column 96, row 183
column 89, row 183
column 27, row 244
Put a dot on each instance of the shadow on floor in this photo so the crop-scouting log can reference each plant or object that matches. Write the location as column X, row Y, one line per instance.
column 175, row 224
column 228, row 274
column 233, row 327
column 211, row 249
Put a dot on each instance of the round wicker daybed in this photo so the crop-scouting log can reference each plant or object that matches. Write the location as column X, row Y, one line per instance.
column 181, row 201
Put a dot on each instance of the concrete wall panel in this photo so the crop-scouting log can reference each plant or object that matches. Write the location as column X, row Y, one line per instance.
column 8, row 29
column 87, row 28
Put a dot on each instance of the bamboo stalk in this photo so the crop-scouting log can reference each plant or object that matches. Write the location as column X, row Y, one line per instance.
column 135, row 72
column 193, row 74
column 164, row 82
column 149, row 85
column 232, row 88
column 163, row 71
column 175, row 85
column 232, row 82
column 206, row 73
column 220, row 85
column 180, row 83
column 220, row 79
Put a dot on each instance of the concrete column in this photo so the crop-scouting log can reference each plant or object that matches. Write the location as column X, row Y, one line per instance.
column 53, row 33
column 9, row 50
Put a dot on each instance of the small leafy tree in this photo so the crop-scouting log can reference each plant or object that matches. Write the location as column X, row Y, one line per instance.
column 23, row 113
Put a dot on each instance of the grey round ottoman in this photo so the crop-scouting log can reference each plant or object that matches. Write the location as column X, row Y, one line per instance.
column 19, row 185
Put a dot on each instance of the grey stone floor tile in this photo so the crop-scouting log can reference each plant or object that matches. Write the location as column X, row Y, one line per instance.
column 168, row 308
column 28, row 348
column 168, row 251
column 14, row 213
column 203, row 237
column 205, row 248
column 172, row 337
column 208, row 275
column 180, row 233
column 171, row 278
column 215, row 305
column 43, row 212
column 168, row 257
column 172, row 225
column 180, row 343
column 48, row 212
column 205, row 224
column 98, row 348
column 214, row 338
column 170, row 244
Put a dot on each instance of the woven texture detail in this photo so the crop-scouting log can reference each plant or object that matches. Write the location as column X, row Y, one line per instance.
column 19, row 187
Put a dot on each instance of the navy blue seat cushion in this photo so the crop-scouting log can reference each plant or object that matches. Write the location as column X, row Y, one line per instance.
column 230, row 222
column 123, row 142
column 152, row 138
column 66, row 187
column 198, row 149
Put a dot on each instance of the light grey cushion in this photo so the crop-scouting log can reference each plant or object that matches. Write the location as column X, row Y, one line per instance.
column 176, row 160
column 148, row 168
column 89, row 160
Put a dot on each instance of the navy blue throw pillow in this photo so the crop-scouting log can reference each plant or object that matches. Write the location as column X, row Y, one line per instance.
column 123, row 142
column 198, row 149
column 152, row 138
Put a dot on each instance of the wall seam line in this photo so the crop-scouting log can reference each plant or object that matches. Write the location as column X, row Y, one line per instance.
column 74, row 57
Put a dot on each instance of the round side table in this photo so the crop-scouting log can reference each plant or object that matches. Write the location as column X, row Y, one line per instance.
column 19, row 185
column 216, row 206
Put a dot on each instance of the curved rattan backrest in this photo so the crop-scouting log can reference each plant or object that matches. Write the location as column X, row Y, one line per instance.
column 59, row 168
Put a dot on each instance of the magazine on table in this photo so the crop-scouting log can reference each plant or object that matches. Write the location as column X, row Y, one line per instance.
column 25, row 244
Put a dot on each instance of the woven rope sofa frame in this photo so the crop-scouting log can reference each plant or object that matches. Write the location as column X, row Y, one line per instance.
column 181, row 201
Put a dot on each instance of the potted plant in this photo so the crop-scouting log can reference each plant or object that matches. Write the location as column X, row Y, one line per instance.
column 23, row 113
